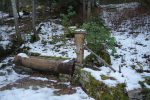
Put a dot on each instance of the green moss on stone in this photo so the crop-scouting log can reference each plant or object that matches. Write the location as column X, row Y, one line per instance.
column 35, row 54
column 146, row 94
column 99, row 90
column 147, row 80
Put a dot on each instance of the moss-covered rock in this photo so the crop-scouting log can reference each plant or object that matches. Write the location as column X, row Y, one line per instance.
column 99, row 90
column 146, row 94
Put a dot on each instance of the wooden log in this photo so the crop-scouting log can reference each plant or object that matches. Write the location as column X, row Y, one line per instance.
column 37, row 63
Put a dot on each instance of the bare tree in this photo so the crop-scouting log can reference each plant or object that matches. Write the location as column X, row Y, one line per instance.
column 13, row 2
column 2, row 9
column 18, row 7
column 84, row 9
column 33, row 16
column 88, row 8
column 35, row 35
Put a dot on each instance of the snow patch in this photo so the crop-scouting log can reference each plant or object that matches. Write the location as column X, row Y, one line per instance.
column 39, row 78
column 41, row 94
column 23, row 55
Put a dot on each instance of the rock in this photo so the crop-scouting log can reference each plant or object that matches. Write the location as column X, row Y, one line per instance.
column 147, row 57
column 23, row 70
column 135, row 94
column 2, row 73
column 99, row 90
column 5, row 49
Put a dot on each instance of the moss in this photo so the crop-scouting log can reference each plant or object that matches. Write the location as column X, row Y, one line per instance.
column 69, row 32
column 147, row 80
column 99, row 90
column 35, row 54
column 49, row 57
column 54, row 58
column 145, row 91
column 105, row 56
column 2, row 74
column 25, row 49
column 146, row 94
column 56, row 39
column 91, row 59
column 104, row 77
column 34, row 38
column 77, row 75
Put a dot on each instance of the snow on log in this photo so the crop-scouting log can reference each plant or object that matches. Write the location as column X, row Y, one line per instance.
column 38, row 63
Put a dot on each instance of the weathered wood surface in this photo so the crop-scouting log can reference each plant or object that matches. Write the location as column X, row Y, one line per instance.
column 37, row 63
column 79, row 42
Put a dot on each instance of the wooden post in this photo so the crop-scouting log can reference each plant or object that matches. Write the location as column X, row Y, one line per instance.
column 79, row 42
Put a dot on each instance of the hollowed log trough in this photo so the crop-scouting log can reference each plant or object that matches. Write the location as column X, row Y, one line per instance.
column 46, row 65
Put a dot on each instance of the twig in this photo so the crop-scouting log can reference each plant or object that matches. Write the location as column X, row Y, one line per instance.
column 141, row 71
column 100, row 60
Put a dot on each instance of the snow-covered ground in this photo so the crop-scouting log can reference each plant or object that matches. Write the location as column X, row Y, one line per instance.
column 3, row 15
column 51, row 32
column 133, row 44
column 8, row 75
column 5, row 32
column 42, row 94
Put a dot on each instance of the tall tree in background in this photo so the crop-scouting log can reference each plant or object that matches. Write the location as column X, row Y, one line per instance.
column 35, row 35
column 84, row 9
column 13, row 2
column 33, row 16
column 1, row 8
column 18, row 7
column 88, row 8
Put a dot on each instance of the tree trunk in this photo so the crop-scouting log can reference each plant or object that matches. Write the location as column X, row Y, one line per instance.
column 13, row 2
column 18, row 8
column 88, row 9
column 33, row 16
column 2, row 9
column 84, row 10
column 54, row 66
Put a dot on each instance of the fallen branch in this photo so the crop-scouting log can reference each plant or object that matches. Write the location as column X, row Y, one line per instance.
column 100, row 60
column 141, row 71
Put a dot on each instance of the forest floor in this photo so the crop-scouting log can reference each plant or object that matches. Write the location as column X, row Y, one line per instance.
column 129, row 24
